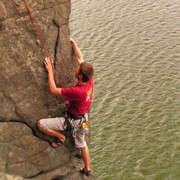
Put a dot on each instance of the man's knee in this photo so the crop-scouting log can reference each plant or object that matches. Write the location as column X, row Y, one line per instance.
column 40, row 126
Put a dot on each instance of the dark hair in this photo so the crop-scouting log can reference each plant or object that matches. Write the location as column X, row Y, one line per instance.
column 86, row 70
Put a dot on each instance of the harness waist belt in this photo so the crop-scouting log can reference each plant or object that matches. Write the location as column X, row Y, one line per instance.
column 75, row 116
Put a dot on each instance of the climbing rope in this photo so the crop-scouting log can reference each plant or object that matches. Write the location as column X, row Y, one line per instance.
column 41, row 40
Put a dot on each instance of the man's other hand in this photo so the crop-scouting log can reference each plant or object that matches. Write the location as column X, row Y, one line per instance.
column 48, row 64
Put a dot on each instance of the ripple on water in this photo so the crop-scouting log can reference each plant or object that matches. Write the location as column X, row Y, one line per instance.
column 134, row 46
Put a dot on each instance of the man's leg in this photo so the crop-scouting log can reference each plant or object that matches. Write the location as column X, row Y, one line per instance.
column 51, row 132
column 50, row 128
column 80, row 143
column 86, row 157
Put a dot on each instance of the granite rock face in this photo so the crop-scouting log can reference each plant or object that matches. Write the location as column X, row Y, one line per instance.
column 24, row 154
column 24, row 91
column 24, row 94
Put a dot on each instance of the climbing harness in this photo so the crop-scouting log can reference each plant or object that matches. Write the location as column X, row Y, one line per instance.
column 75, row 123
column 40, row 40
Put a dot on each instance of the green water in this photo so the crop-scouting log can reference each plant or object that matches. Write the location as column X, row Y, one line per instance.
column 135, row 48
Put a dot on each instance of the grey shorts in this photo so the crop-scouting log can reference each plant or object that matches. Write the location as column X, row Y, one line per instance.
column 58, row 125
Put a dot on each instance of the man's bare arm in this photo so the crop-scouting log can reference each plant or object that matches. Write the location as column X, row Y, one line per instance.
column 77, row 51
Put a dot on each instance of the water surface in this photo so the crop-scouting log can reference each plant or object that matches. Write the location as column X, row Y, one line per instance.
column 135, row 48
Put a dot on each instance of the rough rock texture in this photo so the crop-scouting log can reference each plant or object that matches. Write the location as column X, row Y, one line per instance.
column 24, row 95
column 24, row 90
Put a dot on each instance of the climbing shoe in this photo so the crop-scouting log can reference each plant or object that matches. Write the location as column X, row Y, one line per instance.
column 87, row 173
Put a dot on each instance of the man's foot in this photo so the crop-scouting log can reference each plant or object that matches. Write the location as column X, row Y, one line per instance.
column 56, row 143
column 83, row 171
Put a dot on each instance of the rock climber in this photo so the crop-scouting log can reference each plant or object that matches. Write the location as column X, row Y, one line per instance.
column 79, row 99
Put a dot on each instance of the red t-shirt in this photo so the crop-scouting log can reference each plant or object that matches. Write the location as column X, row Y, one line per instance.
column 79, row 97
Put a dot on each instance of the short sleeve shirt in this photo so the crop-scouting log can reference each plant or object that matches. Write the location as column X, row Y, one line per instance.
column 79, row 97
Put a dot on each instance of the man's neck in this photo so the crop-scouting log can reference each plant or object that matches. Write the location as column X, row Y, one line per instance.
column 80, row 82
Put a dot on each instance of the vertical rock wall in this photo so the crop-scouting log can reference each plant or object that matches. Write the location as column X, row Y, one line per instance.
column 24, row 95
column 24, row 92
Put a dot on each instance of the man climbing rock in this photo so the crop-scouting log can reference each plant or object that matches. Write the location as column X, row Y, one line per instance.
column 79, row 99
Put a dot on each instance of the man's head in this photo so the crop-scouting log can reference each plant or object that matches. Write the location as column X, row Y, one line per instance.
column 85, row 70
